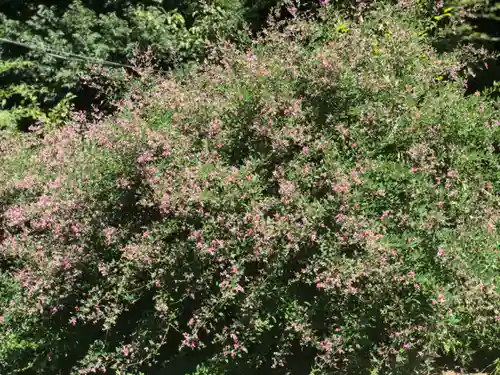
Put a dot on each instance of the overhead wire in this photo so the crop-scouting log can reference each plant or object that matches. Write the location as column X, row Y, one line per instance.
column 68, row 55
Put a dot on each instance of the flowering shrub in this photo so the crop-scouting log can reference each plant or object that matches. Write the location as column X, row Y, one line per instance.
column 318, row 203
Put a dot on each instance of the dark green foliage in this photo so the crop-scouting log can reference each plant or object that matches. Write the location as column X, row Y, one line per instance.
column 36, row 81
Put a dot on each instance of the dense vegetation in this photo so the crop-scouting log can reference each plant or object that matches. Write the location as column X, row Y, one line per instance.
column 44, row 81
column 321, row 199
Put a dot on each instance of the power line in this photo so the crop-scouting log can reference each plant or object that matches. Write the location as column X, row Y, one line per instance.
column 68, row 56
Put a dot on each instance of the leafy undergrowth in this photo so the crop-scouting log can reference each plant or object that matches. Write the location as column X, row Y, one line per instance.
column 324, row 202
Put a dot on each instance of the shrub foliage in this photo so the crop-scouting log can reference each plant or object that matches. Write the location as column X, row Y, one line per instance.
column 325, row 202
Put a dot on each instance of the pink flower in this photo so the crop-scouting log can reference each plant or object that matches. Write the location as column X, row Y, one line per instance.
column 145, row 157
column 108, row 232
column 15, row 215
column 440, row 252
column 411, row 274
column 189, row 340
column 441, row 298
column 122, row 183
column 385, row 214
column 239, row 288
column 25, row 183
column 73, row 321
column 305, row 149
column 44, row 201
column 406, row 346
column 55, row 183
column 323, row 2
column 326, row 345
column 165, row 204
column 125, row 351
